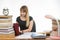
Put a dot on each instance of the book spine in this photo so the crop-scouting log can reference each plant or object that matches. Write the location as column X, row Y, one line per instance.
column 6, row 32
column 5, row 24
column 59, row 28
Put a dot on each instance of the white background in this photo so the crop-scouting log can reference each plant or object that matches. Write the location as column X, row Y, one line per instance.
column 37, row 9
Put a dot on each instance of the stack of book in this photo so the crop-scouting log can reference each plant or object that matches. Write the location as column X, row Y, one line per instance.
column 54, row 28
column 59, row 28
column 6, row 27
column 56, row 24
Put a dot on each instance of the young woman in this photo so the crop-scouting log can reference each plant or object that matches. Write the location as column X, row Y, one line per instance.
column 24, row 20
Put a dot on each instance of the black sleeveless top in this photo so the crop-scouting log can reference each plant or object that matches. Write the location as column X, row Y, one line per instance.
column 22, row 24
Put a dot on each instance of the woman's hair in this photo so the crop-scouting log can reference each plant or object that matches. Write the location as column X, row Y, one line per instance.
column 25, row 9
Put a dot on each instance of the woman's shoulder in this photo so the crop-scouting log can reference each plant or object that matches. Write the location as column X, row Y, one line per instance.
column 18, row 17
column 31, row 18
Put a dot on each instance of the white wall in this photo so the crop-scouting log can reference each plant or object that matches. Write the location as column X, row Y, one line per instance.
column 37, row 9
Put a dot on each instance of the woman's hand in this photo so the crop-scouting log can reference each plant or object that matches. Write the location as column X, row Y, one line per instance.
column 20, row 31
column 29, row 28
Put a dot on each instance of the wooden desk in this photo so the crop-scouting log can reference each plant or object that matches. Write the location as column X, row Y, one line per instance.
column 26, row 39
column 48, row 38
column 26, row 36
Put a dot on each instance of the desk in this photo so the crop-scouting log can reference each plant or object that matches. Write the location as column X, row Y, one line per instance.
column 25, row 36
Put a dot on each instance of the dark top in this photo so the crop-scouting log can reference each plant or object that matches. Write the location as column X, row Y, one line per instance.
column 22, row 24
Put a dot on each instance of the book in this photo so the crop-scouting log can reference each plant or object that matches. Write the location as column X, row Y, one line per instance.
column 38, row 35
column 5, row 24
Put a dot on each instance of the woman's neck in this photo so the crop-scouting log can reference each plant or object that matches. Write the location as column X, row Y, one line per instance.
column 22, row 18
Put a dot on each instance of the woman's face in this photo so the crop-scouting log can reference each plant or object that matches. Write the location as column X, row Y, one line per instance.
column 23, row 14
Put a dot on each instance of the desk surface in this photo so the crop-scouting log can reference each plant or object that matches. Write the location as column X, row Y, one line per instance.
column 24, row 36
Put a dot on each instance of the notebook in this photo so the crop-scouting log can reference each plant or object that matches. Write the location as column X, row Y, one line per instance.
column 38, row 35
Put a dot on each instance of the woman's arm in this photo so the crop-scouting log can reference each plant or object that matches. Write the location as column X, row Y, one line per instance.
column 29, row 28
column 19, row 28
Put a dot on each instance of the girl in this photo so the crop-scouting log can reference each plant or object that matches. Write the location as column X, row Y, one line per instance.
column 24, row 20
